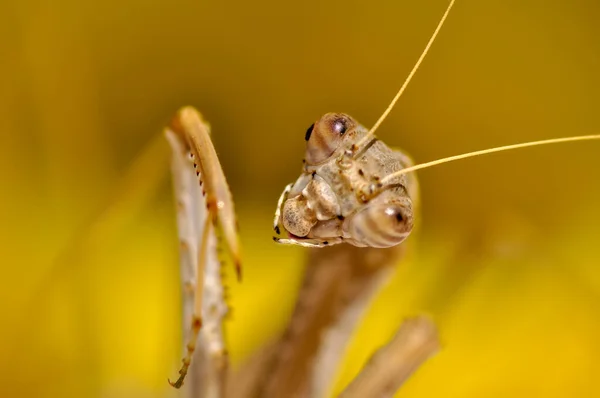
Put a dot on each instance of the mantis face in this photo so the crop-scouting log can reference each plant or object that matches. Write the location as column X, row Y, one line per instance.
column 339, row 196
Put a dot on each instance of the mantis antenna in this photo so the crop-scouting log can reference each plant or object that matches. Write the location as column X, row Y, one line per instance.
column 408, row 79
column 486, row 151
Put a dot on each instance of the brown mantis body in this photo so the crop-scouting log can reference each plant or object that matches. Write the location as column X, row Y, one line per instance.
column 353, row 189
column 339, row 283
column 341, row 280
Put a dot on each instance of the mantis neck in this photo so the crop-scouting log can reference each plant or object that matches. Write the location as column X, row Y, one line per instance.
column 340, row 282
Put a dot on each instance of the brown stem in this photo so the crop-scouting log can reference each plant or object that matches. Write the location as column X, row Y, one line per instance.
column 390, row 367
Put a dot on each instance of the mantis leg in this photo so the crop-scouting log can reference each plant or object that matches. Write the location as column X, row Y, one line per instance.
column 308, row 242
column 195, row 133
column 197, row 313
column 204, row 209
column 282, row 199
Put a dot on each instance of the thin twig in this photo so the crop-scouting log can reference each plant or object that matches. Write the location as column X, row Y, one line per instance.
column 388, row 368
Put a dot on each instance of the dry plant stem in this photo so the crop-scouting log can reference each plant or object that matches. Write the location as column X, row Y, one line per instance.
column 338, row 279
column 202, row 288
column 390, row 367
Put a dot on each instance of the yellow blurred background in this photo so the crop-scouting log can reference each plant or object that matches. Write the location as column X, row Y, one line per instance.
column 506, row 258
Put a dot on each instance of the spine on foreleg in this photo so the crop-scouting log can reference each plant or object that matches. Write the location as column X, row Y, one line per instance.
column 207, row 350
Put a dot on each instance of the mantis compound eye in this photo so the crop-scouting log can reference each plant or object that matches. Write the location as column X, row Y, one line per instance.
column 382, row 225
column 309, row 132
column 326, row 135
column 339, row 126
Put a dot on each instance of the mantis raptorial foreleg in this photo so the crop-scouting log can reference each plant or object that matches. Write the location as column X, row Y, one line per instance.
column 194, row 132
column 205, row 207
column 353, row 189
column 307, row 242
column 282, row 198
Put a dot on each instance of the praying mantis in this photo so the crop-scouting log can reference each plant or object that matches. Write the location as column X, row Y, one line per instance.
column 356, row 194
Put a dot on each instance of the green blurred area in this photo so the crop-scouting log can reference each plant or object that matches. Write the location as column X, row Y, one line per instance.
column 506, row 258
